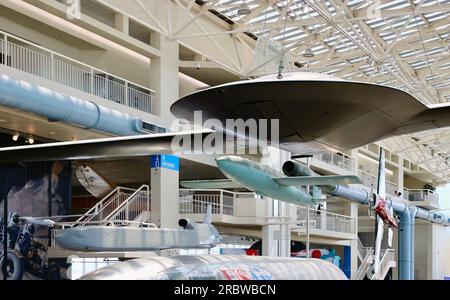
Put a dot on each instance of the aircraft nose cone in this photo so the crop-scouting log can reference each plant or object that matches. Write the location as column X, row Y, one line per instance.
column 229, row 165
column 225, row 161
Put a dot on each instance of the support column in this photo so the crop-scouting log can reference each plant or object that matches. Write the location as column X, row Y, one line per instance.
column 121, row 23
column 355, row 156
column 399, row 176
column 351, row 210
column 164, row 76
column 164, row 179
column 406, row 244
column 276, row 239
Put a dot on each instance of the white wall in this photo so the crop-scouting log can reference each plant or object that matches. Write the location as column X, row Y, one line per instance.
column 432, row 251
column 441, row 252
column 189, row 85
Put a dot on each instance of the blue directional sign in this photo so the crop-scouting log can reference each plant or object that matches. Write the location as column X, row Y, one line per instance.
column 165, row 161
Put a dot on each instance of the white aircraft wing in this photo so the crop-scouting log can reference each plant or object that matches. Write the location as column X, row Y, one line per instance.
column 317, row 180
column 211, row 184
column 115, row 147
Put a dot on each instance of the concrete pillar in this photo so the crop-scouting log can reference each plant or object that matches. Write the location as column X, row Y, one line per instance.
column 355, row 156
column 276, row 239
column 351, row 210
column 164, row 179
column 122, row 23
column 399, row 176
column 164, row 75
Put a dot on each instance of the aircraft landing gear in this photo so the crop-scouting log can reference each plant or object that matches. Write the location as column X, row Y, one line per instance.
column 14, row 266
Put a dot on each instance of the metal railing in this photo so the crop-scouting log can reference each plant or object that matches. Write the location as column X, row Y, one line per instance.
column 369, row 180
column 135, row 205
column 364, row 267
column 31, row 58
column 105, row 206
column 387, row 261
column 325, row 220
column 391, row 188
column 421, row 195
column 340, row 160
column 362, row 251
column 195, row 201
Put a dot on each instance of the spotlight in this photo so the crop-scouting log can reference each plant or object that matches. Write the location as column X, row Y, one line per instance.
column 15, row 137
column 244, row 9
column 31, row 140
column 308, row 53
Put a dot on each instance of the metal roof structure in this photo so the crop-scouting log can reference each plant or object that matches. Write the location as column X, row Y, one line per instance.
column 400, row 43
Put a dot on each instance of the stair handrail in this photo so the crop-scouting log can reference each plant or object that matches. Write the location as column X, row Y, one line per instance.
column 99, row 206
column 384, row 264
column 129, row 200
column 365, row 265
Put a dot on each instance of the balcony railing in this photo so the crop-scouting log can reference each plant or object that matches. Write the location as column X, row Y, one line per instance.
column 195, row 201
column 420, row 195
column 369, row 180
column 22, row 55
column 339, row 160
column 326, row 220
column 392, row 188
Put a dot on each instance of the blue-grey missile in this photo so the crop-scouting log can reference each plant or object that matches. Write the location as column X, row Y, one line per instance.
column 254, row 176
column 219, row 267
column 129, row 238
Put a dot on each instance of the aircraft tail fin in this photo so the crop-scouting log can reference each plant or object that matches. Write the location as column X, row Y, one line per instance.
column 208, row 216
column 381, row 188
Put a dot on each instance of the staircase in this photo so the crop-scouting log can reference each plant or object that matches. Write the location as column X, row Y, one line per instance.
column 365, row 256
column 366, row 263
column 386, row 263
column 137, row 204
column 121, row 204
column 105, row 206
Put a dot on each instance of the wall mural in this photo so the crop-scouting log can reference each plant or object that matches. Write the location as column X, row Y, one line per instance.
column 26, row 187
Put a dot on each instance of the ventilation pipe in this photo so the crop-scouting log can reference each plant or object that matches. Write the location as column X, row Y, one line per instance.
column 363, row 197
column 58, row 107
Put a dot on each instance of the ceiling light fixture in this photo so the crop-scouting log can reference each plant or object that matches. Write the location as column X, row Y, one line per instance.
column 15, row 137
column 30, row 140
column 308, row 53
column 244, row 9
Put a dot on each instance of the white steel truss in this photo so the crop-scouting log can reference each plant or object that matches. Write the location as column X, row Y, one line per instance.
column 399, row 43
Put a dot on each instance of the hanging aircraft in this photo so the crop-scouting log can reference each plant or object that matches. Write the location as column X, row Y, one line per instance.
column 266, row 181
column 316, row 112
column 384, row 213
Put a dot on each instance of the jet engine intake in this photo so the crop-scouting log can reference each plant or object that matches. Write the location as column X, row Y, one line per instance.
column 186, row 224
column 295, row 168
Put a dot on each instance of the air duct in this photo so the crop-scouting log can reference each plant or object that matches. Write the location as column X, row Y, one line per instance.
column 55, row 106
column 363, row 197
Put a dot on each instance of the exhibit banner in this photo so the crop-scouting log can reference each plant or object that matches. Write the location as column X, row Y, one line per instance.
column 37, row 189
